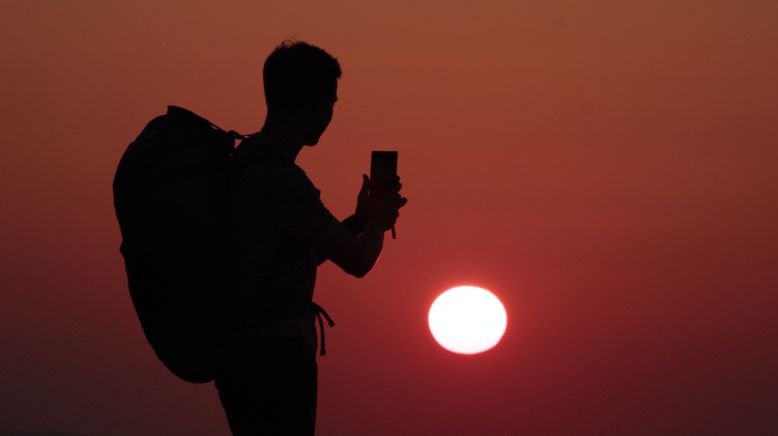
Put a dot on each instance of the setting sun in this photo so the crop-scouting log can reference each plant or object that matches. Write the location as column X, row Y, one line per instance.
column 467, row 320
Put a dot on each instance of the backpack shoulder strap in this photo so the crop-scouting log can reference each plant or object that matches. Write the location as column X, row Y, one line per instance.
column 187, row 117
column 250, row 151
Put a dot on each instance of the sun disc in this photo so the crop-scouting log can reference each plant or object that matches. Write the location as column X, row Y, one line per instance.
column 467, row 320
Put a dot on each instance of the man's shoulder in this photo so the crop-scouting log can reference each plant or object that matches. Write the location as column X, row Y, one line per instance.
column 253, row 155
column 278, row 175
column 269, row 168
column 258, row 164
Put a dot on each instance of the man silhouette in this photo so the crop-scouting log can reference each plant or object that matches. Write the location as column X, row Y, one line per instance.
column 281, row 233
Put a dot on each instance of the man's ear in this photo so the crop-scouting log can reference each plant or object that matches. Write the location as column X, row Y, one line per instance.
column 304, row 111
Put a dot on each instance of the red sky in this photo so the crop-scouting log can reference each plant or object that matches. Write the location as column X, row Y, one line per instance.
column 607, row 168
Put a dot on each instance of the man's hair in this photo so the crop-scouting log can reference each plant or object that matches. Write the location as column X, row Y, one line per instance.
column 297, row 72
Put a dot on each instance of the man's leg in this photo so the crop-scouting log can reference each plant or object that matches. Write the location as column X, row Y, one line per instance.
column 270, row 389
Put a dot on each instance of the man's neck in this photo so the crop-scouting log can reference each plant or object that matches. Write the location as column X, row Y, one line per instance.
column 285, row 139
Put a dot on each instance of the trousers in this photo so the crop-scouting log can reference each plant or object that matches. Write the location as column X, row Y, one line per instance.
column 269, row 387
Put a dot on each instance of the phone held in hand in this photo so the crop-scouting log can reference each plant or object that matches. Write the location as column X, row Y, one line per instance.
column 383, row 175
column 383, row 172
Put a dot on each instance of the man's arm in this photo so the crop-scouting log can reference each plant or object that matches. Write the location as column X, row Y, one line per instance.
column 355, row 224
column 356, row 254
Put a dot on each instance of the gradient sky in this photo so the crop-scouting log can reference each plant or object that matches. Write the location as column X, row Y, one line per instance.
column 607, row 168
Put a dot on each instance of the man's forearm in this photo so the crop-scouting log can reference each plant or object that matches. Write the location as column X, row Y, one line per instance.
column 355, row 224
column 372, row 241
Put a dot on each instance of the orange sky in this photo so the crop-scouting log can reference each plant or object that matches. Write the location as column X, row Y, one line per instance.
column 607, row 168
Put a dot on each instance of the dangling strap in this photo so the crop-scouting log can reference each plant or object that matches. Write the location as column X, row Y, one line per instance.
column 319, row 312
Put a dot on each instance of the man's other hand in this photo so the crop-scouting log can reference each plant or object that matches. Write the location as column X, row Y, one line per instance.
column 384, row 211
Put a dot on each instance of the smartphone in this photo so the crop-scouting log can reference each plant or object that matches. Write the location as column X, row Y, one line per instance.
column 383, row 172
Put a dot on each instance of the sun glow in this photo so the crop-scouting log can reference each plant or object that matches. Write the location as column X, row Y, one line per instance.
column 467, row 320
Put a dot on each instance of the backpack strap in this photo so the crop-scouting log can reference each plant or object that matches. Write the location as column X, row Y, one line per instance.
column 250, row 151
column 181, row 113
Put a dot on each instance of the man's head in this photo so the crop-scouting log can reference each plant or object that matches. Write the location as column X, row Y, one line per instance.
column 301, row 84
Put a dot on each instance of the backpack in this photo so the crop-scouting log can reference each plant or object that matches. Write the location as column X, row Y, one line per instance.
column 171, row 197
